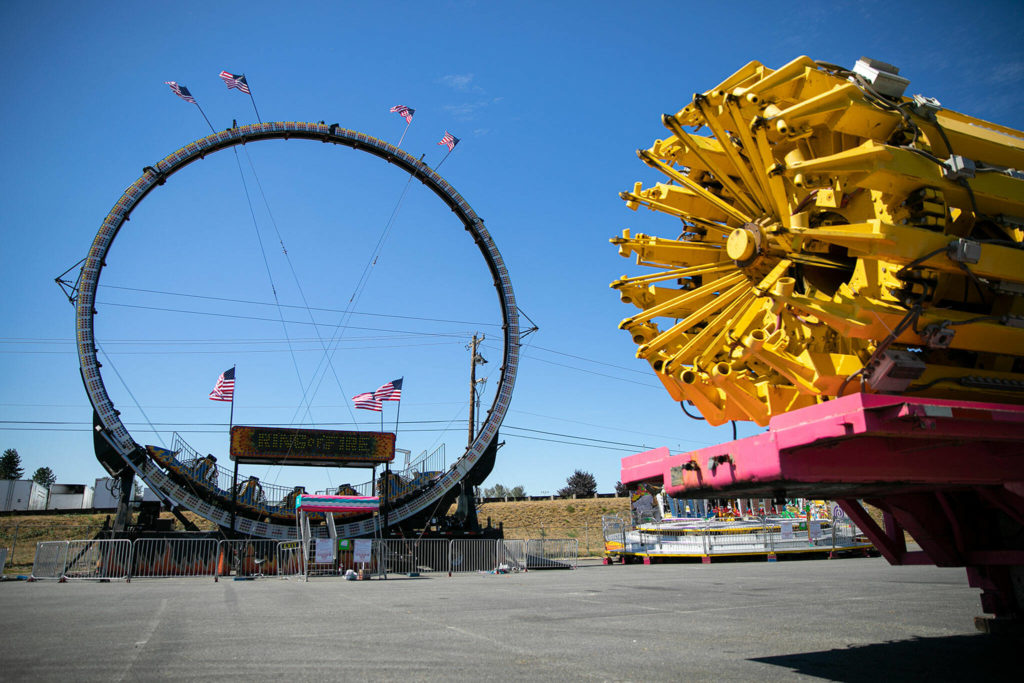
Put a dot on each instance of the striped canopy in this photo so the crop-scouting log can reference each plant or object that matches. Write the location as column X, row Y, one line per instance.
column 308, row 503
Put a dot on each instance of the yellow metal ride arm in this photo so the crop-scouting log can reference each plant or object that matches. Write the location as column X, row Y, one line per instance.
column 836, row 237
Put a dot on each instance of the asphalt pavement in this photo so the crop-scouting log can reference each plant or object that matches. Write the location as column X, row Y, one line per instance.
column 855, row 619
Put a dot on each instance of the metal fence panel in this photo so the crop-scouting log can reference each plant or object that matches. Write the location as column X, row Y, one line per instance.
column 289, row 558
column 252, row 557
column 737, row 538
column 472, row 555
column 162, row 557
column 415, row 556
column 552, row 553
column 99, row 559
column 512, row 554
column 344, row 560
column 51, row 556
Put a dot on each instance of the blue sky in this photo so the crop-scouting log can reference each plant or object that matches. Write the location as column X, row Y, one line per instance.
column 550, row 100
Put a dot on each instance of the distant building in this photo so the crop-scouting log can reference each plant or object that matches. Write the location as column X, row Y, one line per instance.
column 70, row 497
column 107, row 493
column 21, row 495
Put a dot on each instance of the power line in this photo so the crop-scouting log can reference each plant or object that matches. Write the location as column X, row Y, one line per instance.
column 591, row 360
column 593, row 372
column 312, row 308
column 58, row 425
column 233, row 351
column 262, row 319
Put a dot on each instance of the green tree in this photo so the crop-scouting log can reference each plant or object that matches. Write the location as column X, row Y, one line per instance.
column 621, row 489
column 10, row 465
column 499, row 491
column 496, row 491
column 44, row 476
column 580, row 484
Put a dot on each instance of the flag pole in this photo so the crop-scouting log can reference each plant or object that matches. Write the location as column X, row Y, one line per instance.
column 407, row 124
column 253, row 100
column 211, row 128
column 387, row 483
column 234, row 481
column 442, row 160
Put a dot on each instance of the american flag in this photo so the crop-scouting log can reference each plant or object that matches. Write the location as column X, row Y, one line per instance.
column 392, row 391
column 404, row 112
column 449, row 140
column 233, row 81
column 367, row 401
column 181, row 91
column 225, row 388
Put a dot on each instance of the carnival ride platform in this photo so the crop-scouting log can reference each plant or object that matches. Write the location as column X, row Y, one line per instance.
column 766, row 538
column 950, row 473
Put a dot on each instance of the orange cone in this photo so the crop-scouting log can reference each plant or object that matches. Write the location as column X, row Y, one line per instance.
column 222, row 564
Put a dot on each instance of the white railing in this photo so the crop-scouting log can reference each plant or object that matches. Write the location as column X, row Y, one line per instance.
column 412, row 556
column 101, row 559
column 252, row 557
column 121, row 559
column 289, row 558
column 472, row 555
column 512, row 555
column 51, row 556
column 343, row 561
column 552, row 553
column 178, row 557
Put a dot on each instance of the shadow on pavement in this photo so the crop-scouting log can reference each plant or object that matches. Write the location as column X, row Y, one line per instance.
column 967, row 657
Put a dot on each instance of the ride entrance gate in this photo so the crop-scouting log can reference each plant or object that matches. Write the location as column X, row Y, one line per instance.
column 332, row 555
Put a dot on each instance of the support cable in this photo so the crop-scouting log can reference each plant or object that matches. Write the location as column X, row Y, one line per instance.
column 305, row 302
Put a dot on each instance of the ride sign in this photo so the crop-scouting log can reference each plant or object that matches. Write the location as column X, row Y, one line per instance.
column 311, row 447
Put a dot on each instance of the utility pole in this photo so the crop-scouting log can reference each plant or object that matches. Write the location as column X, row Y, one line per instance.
column 475, row 359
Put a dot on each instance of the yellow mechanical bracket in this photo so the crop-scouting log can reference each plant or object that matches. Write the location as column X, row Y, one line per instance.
column 837, row 237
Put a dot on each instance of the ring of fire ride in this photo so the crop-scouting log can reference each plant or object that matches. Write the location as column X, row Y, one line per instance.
column 836, row 237
column 187, row 493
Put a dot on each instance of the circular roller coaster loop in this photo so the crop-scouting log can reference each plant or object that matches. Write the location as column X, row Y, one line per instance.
column 109, row 427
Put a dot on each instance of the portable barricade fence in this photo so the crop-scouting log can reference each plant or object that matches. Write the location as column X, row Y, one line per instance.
column 289, row 558
column 472, row 555
column 412, row 556
column 344, row 559
column 512, row 554
column 100, row 559
column 252, row 557
column 552, row 553
column 179, row 557
column 50, row 559
column 845, row 533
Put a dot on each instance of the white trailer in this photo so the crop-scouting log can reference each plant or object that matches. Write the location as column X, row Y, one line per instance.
column 70, row 497
column 24, row 494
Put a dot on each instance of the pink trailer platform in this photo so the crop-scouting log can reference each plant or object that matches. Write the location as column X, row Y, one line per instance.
column 951, row 473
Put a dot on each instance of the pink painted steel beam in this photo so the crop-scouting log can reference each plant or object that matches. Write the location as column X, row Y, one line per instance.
column 853, row 446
